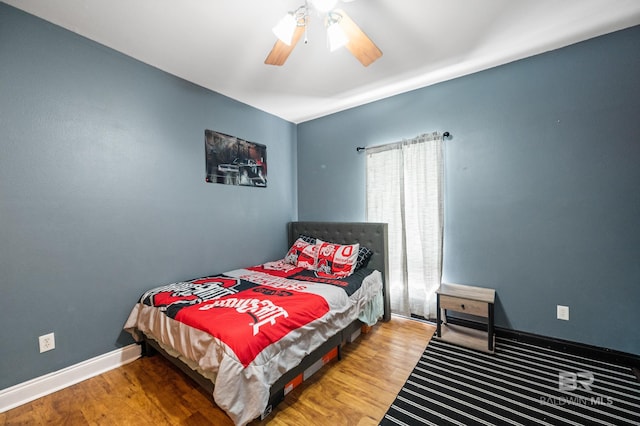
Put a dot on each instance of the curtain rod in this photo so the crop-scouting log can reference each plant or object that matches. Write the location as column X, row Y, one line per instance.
column 444, row 136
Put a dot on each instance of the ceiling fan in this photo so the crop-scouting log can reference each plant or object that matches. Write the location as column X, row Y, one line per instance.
column 341, row 31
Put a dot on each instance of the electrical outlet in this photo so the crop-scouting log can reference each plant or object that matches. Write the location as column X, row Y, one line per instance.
column 563, row 312
column 47, row 342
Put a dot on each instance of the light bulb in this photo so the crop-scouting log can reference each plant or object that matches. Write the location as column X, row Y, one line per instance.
column 336, row 37
column 324, row 6
column 285, row 28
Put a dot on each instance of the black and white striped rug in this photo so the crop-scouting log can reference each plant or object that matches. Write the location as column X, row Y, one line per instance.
column 521, row 384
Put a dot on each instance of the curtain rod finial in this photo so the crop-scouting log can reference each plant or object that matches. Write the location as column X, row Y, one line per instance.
column 446, row 135
column 360, row 148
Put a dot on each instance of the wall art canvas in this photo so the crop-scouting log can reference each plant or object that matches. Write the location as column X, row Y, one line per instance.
column 234, row 161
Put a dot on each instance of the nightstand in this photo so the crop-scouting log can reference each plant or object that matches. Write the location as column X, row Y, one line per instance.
column 476, row 301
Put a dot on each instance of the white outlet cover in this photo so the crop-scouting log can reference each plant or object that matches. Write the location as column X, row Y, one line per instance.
column 47, row 342
column 563, row 312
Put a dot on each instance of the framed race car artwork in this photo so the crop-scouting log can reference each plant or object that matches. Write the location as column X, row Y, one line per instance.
column 234, row 161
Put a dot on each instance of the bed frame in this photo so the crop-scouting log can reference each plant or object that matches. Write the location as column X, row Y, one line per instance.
column 371, row 235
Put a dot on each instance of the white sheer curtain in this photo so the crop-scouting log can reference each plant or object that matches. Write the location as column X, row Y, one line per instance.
column 404, row 189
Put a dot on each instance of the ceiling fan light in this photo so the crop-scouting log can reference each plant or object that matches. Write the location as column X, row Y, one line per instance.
column 323, row 6
column 285, row 28
column 336, row 38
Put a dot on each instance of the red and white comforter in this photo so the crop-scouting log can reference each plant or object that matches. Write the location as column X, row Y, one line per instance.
column 247, row 327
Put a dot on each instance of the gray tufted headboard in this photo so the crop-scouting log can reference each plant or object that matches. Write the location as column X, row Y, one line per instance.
column 371, row 235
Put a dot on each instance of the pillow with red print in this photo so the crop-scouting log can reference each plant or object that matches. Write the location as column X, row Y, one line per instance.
column 303, row 254
column 336, row 260
column 364, row 253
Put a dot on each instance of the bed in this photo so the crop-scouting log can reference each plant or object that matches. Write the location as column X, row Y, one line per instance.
column 266, row 345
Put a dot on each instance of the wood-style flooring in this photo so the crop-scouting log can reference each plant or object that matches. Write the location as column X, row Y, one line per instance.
column 357, row 390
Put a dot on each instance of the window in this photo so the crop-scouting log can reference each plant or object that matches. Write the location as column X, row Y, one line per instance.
column 404, row 189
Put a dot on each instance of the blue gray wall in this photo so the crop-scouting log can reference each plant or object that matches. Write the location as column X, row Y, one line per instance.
column 542, row 197
column 102, row 191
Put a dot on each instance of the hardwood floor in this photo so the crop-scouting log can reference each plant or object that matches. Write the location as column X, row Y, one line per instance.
column 357, row 390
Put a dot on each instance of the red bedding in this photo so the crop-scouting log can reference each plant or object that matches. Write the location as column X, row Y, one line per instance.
column 253, row 315
column 245, row 328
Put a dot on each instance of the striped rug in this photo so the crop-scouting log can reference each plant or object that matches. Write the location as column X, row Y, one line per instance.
column 521, row 384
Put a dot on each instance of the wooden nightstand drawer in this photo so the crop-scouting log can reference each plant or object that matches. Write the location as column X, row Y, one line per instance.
column 458, row 304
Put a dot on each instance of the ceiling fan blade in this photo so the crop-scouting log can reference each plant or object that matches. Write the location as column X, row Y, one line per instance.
column 281, row 51
column 360, row 45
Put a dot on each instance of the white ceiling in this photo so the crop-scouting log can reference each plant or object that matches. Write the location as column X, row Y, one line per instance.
column 221, row 44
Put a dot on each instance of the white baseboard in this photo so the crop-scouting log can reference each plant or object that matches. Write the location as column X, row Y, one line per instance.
column 44, row 385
